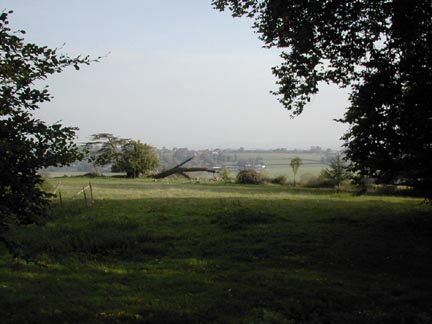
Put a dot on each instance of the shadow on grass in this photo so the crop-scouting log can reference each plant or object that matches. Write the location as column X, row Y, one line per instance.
column 191, row 260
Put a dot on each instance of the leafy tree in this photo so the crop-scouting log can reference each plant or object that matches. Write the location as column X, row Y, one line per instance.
column 225, row 174
column 382, row 50
column 28, row 144
column 390, row 118
column 103, row 149
column 137, row 158
column 337, row 171
column 295, row 165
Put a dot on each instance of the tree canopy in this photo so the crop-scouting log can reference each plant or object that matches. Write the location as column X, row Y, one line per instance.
column 381, row 50
column 28, row 144
column 136, row 158
column 337, row 171
column 295, row 165
column 103, row 149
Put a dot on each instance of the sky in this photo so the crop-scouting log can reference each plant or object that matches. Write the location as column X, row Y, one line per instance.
column 173, row 74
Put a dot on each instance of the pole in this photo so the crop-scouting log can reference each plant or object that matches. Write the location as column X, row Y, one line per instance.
column 85, row 196
column 91, row 192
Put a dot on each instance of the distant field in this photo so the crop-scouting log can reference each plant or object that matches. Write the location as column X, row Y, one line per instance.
column 276, row 164
column 277, row 156
column 59, row 174
column 175, row 251
column 279, row 163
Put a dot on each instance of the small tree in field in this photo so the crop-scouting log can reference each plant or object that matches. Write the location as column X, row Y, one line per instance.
column 136, row 159
column 225, row 174
column 295, row 165
column 28, row 144
column 337, row 171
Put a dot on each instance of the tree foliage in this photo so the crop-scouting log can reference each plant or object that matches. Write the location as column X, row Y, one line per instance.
column 104, row 149
column 390, row 118
column 137, row 158
column 337, row 171
column 295, row 165
column 381, row 49
column 28, row 144
column 225, row 174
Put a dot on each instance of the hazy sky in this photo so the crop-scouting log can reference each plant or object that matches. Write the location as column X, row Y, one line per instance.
column 178, row 74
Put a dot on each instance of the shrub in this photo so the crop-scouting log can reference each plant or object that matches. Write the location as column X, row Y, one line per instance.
column 386, row 189
column 225, row 174
column 307, row 177
column 250, row 177
column 281, row 180
column 321, row 181
column 337, row 171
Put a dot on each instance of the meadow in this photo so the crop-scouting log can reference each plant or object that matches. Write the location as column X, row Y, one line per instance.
column 278, row 163
column 174, row 251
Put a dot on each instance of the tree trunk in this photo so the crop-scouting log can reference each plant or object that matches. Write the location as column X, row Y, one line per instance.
column 182, row 171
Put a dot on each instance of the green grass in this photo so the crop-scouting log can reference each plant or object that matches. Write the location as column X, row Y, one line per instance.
column 278, row 163
column 179, row 252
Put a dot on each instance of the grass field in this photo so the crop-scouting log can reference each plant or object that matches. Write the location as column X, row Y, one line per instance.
column 278, row 163
column 180, row 252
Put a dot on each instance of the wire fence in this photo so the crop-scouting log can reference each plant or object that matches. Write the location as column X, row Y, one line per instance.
column 86, row 192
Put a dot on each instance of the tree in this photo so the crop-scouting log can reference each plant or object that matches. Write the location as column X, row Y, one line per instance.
column 28, row 144
column 382, row 50
column 295, row 165
column 390, row 118
column 225, row 174
column 337, row 171
column 179, row 169
column 103, row 149
column 137, row 158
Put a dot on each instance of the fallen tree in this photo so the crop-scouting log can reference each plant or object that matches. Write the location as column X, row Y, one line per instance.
column 178, row 169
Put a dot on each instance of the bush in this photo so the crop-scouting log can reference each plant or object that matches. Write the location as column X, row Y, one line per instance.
column 225, row 174
column 385, row 189
column 281, row 180
column 250, row 177
column 307, row 177
column 320, row 181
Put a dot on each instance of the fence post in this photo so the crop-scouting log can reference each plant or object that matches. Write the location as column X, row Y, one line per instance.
column 61, row 200
column 85, row 196
column 57, row 187
column 91, row 192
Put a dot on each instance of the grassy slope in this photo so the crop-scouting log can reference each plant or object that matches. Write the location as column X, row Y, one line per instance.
column 165, row 252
